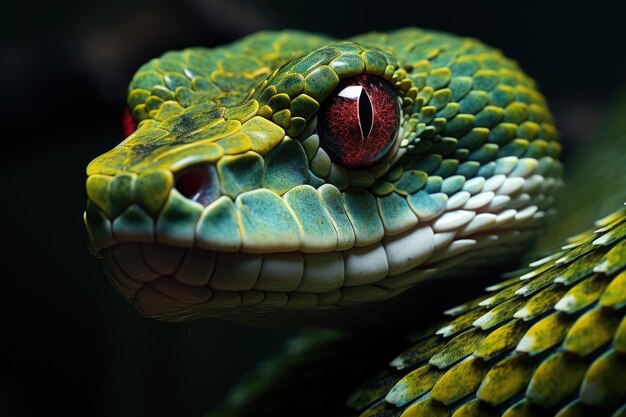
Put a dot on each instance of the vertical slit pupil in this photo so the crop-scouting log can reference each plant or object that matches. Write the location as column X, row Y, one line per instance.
column 366, row 117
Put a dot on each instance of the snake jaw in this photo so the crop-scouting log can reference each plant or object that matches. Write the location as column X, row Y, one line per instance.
column 239, row 205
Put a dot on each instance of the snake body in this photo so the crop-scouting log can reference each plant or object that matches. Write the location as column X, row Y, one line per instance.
column 225, row 202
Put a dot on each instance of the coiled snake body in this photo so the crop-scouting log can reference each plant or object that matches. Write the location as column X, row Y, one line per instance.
column 293, row 178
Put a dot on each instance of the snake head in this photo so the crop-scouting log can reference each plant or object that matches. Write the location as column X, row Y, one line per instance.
column 266, row 180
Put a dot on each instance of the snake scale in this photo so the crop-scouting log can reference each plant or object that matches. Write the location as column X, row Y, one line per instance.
column 291, row 178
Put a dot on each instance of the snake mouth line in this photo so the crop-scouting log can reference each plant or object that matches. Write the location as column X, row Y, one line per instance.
column 121, row 209
column 183, row 281
column 174, row 284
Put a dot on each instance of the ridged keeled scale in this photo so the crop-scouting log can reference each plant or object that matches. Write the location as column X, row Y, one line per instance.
column 550, row 339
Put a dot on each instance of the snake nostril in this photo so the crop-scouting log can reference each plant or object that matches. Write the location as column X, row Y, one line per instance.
column 190, row 183
column 197, row 184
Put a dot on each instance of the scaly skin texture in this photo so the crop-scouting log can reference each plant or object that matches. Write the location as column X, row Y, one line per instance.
column 279, row 231
column 276, row 230
column 550, row 340
column 545, row 340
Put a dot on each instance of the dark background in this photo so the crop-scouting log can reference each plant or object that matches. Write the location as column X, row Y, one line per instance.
column 71, row 346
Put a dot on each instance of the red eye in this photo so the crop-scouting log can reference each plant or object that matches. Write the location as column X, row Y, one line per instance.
column 128, row 124
column 357, row 124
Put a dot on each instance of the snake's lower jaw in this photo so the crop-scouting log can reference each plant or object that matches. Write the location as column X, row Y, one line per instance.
column 184, row 260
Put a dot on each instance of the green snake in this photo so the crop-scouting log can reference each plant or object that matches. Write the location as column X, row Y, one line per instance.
column 291, row 178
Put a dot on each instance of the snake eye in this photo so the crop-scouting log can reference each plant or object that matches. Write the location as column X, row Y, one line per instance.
column 357, row 124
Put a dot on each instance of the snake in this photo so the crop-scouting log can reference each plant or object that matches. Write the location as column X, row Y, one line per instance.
column 294, row 179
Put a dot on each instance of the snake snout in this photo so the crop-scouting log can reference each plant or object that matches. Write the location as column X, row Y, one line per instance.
column 185, row 208
column 130, row 207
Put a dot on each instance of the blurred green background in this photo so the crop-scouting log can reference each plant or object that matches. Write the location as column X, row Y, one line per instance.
column 70, row 345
